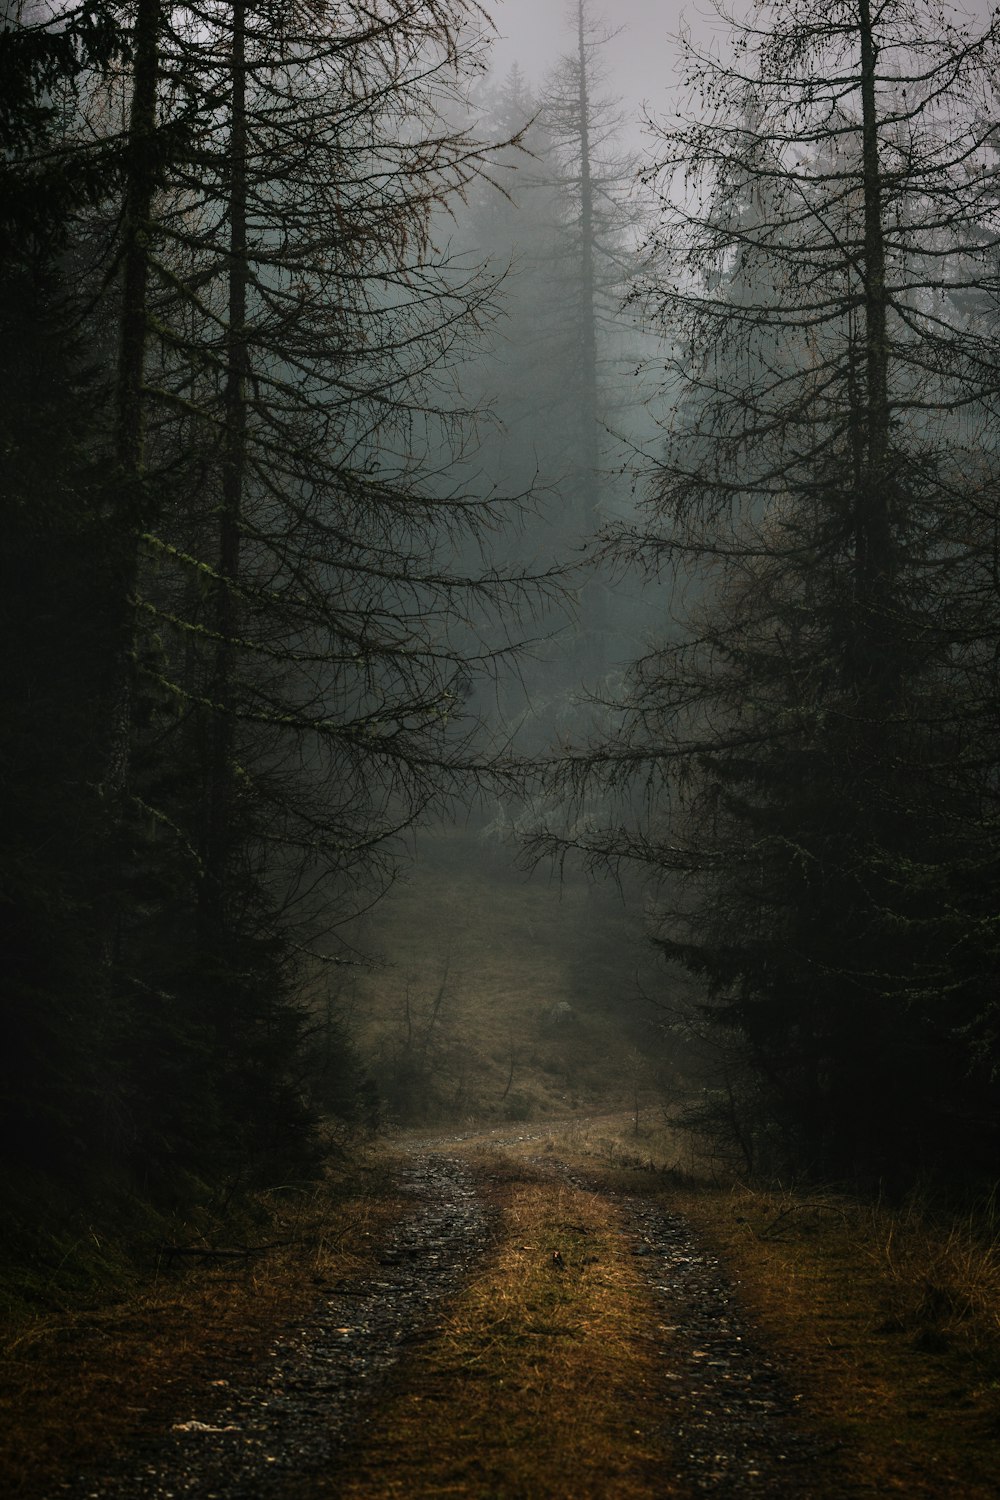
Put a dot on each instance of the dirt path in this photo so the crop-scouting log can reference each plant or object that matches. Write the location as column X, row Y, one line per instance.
column 729, row 1414
column 719, row 1420
column 286, row 1420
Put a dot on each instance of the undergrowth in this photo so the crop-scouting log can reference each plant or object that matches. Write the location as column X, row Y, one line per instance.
column 936, row 1276
column 887, row 1314
column 937, row 1268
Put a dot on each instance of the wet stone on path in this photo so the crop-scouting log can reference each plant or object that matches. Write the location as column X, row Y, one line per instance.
column 292, row 1414
column 735, row 1421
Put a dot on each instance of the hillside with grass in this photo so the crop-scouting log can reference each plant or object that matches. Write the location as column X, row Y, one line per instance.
column 498, row 994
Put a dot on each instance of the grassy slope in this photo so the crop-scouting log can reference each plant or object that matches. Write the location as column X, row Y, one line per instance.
column 500, row 951
column 892, row 1319
column 891, row 1322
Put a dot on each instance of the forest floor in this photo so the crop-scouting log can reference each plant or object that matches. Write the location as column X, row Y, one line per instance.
column 526, row 1313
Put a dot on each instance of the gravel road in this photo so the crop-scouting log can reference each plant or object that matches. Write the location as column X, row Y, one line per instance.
column 728, row 1415
column 291, row 1415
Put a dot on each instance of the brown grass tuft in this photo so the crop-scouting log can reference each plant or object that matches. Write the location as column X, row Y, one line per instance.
column 889, row 1324
column 887, row 1320
column 942, row 1281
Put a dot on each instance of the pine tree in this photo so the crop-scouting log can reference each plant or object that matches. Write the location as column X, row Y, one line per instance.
column 307, row 626
column 810, row 745
column 55, row 626
column 281, row 625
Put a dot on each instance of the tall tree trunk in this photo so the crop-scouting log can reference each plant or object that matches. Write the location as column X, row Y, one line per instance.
column 873, row 537
column 130, row 404
column 130, row 499
column 218, row 812
column 588, row 295
column 593, row 622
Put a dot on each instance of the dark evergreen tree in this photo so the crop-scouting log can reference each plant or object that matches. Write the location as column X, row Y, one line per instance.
column 268, row 688
column 812, row 748
column 303, row 643
column 54, row 621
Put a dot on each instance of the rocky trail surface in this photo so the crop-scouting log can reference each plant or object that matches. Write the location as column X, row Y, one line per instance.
column 290, row 1416
column 728, row 1424
column 729, row 1413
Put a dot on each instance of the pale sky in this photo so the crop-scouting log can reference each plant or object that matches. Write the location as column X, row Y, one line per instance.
column 641, row 59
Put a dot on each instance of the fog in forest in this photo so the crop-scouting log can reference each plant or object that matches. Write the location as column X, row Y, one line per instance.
column 502, row 552
column 518, row 985
column 499, row 748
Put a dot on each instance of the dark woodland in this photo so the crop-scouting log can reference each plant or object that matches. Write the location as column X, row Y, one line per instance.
column 388, row 447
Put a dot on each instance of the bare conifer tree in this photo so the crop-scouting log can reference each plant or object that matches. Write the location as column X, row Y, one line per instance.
column 298, row 625
column 593, row 181
column 811, row 750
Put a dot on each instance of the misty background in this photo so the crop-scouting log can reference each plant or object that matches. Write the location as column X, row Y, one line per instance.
column 502, row 555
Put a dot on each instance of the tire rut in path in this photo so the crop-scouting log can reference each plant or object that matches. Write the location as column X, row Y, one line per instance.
column 290, row 1416
column 732, row 1416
